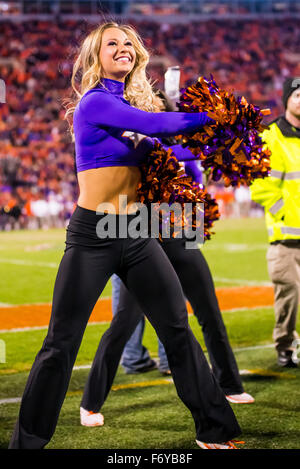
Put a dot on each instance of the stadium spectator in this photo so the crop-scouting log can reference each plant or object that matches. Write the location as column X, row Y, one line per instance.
column 243, row 201
column 279, row 195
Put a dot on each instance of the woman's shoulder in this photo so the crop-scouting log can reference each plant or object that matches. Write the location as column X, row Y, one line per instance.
column 96, row 92
column 93, row 96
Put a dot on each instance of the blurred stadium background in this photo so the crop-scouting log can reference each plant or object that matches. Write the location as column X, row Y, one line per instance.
column 249, row 46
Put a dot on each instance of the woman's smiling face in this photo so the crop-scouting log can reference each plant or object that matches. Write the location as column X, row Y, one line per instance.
column 117, row 54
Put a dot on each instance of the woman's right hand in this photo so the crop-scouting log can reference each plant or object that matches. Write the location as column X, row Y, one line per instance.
column 205, row 119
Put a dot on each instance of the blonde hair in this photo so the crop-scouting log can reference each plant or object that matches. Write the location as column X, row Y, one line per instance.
column 138, row 88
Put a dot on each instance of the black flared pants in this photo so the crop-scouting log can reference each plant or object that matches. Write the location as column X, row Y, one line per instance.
column 86, row 266
column 198, row 287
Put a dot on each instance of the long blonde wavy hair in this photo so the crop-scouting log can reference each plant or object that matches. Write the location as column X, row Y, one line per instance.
column 138, row 90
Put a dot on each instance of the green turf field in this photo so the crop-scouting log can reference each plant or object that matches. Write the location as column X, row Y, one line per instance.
column 150, row 415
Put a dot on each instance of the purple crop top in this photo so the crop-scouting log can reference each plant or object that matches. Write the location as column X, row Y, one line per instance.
column 110, row 132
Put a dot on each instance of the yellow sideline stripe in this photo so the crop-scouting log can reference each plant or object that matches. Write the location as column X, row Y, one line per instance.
column 267, row 373
column 159, row 382
column 142, row 384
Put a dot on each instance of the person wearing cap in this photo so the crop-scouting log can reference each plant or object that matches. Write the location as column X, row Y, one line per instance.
column 279, row 194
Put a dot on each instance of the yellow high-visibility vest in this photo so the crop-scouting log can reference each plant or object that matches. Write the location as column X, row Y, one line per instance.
column 279, row 193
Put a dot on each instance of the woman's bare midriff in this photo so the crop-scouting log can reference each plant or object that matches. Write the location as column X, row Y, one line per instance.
column 103, row 188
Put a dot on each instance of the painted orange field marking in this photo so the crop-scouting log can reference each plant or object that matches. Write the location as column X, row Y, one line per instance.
column 37, row 315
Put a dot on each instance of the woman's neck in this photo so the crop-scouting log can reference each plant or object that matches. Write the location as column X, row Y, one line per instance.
column 114, row 86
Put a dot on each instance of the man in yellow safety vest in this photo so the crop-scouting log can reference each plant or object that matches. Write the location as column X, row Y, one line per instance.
column 279, row 194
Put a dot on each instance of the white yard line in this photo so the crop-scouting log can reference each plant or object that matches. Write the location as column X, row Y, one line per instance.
column 37, row 328
column 246, row 308
column 236, row 247
column 253, row 347
column 242, row 282
column 17, row 400
column 12, row 400
column 52, row 265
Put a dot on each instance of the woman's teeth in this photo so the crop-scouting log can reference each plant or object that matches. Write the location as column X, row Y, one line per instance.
column 123, row 59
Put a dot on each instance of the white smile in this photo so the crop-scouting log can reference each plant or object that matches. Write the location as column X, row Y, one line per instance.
column 123, row 59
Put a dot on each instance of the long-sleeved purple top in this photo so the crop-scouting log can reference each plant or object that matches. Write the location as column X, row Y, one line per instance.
column 110, row 132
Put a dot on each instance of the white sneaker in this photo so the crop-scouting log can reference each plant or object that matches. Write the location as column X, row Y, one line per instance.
column 91, row 419
column 243, row 398
column 227, row 445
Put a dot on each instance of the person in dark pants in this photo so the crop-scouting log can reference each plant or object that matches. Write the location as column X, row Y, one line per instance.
column 197, row 283
column 135, row 357
column 198, row 287
column 112, row 61
column 279, row 196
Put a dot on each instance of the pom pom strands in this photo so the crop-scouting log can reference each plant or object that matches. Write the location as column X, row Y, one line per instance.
column 164, row 181
column 232, row 147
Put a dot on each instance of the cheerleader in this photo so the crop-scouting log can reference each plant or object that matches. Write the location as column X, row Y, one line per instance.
column 115, row 99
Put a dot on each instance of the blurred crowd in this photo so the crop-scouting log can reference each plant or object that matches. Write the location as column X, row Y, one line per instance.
column 37, row 177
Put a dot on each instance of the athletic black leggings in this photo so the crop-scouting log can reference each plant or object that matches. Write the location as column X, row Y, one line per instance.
column 86, row 266
column 198, row 287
